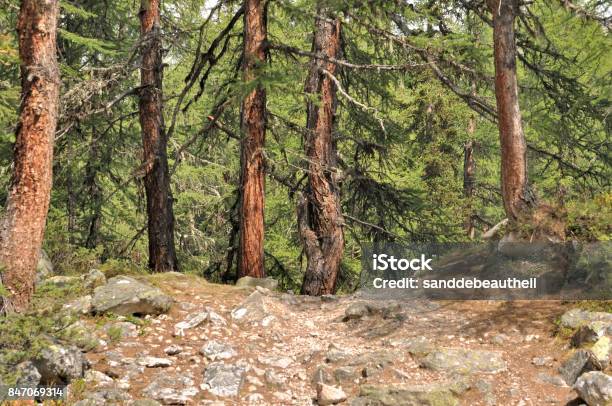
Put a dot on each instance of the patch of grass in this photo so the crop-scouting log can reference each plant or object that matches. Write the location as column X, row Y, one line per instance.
column 114, row 333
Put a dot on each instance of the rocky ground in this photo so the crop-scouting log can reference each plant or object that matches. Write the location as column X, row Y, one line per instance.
column 197, row 343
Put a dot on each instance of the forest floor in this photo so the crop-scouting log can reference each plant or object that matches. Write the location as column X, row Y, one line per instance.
column 281, row 346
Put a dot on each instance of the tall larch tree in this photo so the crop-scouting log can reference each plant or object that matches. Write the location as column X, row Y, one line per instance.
column 23, row 224
column 319, row 213
column 253, row 127
column 162, row 254
column 517, row 196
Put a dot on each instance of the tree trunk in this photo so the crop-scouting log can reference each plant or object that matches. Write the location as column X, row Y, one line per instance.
column 94, row 192
column 253, row 123
column 518, row 198
column 319, row 212
column 23, row 225
column 162, row 254
column 469, row 179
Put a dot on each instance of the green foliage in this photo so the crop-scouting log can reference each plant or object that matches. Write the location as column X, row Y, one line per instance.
column 400, row 159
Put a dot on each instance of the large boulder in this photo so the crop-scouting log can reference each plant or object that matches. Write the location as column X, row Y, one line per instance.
column 578, row 363
column 60, row 365
column 577, row 317
column 125, row 295
column 464, row 361
column 250, row 282
column 595, row 388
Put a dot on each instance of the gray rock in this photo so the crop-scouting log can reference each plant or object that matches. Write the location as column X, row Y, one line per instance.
column 250, row 282
column 93, row 279
column 273, row 379
column 171, row 389
column 81, row 305
column 121, row 329
column 154, row 362
column 173, row 350
column 417, row 346
column 44, row 268
column 595, row 388
column 252, row 309
column 144, row 402
column 273, row 361
column 359, row 310
column 410, row 395
column 329, row 395
column 464, row 361
column 222, row 379
column 28, row 375
column 125, row 295
column 601, row 350
column 322, row 375
column 214, row 350
column 335, row 354
column 577, row 317
column 542, row 361
column 344, row 374
column 81, row 335
column 60, row 281
column 553, row 380
column 379, row 358
column 60, row 365
column 584, row 335
column 579, row 362
column 103, row 397
column 98, row 378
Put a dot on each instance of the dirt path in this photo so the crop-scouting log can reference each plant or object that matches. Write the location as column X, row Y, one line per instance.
column 285, row 349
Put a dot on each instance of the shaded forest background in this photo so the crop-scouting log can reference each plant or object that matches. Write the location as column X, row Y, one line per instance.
column 403, row 127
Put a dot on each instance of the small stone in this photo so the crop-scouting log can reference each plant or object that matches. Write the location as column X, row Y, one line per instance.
column 278, row 362
column 173, row 350
column 542, row 361
column 329, row 395
column 553, row 380
column 273, row 379
column 27, row 374
column 98, row 378
column 154, row 362
column 214, row 350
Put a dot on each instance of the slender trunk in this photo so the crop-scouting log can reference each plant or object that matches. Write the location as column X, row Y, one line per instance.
column 23, row 225
column 469, row 178
column 319, row 212
column 253, row 123
column 518, row 198
column 94, row 192
column 162, row 254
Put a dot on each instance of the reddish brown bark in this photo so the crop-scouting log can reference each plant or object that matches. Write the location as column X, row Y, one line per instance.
column 319, row 212
column 253, row 124
column 162, row 254
column 23, row 225
column 517, row 197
